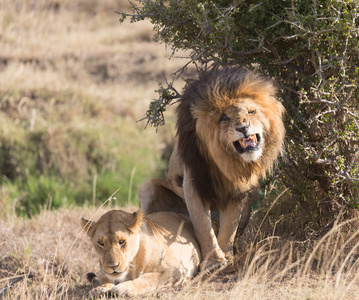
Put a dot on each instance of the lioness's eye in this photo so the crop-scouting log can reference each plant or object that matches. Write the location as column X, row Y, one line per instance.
column 100, row 244
column 224, row 118
column 251, row 112
column 122, row 242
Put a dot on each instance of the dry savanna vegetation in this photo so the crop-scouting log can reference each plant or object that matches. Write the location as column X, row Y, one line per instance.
column 73, row 83
column 48, row 257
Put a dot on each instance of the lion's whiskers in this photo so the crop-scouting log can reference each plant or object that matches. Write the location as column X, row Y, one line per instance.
column 228, row 144
column 228, row 139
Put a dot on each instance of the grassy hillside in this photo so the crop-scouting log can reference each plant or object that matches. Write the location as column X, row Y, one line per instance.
column 73, row 83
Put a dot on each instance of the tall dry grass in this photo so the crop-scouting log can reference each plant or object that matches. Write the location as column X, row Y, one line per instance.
column 71, row 77
column 52, row 248
column 73, row 83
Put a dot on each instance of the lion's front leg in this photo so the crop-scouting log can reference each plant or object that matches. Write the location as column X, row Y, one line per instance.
column 148, row 282
column 234, row 216
column 200, row 215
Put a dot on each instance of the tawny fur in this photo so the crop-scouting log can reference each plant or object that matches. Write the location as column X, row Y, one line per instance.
column 220, row 174
column 140, row 254
column 207, row 169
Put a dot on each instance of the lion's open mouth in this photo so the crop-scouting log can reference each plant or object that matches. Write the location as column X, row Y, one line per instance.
column 250, row 143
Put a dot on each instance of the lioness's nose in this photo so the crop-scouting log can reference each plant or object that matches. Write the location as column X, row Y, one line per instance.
column 113, row 266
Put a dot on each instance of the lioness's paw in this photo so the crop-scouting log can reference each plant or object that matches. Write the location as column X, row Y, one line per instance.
column 101, row 290
column 123, row 289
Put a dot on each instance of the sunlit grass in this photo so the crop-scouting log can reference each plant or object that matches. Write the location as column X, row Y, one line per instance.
column 73, row 83
column 51, row 247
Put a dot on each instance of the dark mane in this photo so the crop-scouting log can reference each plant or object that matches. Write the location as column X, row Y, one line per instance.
column 188, row 148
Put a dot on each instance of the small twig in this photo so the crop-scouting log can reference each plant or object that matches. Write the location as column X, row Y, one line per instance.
column 154, row 115
column 317, row 157
column 13, row 281
column 347, row 172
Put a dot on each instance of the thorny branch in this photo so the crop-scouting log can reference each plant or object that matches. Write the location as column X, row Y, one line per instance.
column 155, row 113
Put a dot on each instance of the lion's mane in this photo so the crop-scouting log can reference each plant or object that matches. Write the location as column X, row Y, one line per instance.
column 228, row 176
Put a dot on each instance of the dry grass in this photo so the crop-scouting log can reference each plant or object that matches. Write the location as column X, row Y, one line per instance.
column 58, row 255
column 73, row 83
column 80, row 46
column 68, row 66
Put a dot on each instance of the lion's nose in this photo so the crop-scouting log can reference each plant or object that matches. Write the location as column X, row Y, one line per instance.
column 243, row 129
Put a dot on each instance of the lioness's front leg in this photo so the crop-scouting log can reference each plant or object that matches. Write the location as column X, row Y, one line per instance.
column 230, row 218
column 101, row 290
column 148, row 282
column 200, row 215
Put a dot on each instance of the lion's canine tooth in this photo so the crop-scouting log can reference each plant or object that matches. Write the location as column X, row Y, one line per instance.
column 252, row 138
column 243, row 144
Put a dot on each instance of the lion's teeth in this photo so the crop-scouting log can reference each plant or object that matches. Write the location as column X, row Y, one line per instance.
column 250, row 141
column 243, row 144
column 254, row 138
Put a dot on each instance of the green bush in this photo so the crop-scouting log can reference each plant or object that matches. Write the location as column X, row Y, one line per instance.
column 311, row 49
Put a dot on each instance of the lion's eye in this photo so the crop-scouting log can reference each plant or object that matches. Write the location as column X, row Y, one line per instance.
column 100, row 244
column 224, row 118
column 122, row 242
column 252, row 111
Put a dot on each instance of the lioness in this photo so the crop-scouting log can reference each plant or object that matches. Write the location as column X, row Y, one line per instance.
column 230, row 132
column 141, row 254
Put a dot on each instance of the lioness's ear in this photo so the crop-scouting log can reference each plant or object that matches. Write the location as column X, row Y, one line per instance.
column 88, row 226
column 136, row 221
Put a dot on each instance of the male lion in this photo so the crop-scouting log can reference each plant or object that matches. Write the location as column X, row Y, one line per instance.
column 141, row 254
column 230, row 132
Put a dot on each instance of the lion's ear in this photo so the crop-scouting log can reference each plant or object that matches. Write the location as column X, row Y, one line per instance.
column 136, row 221
column 88, row 226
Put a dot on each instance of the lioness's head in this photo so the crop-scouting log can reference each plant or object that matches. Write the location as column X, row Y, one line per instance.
column 116, row 239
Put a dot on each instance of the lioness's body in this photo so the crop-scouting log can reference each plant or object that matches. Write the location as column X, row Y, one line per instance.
column 140, row 254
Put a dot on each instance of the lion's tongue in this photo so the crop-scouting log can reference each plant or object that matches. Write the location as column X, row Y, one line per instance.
column 250, row 141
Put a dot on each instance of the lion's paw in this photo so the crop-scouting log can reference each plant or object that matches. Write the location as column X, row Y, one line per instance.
column 214, row 261
column 229, row 257
column 213, row 265
column 100, row 291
